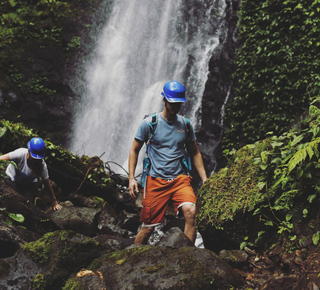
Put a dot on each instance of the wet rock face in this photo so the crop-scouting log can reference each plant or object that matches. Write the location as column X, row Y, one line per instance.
column 49, row 112
column 218, row 88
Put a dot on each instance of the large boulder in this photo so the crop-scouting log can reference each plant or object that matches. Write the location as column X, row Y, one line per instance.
column 47, row 262
column 12, row 238
column 153, row 267
column 79, row 219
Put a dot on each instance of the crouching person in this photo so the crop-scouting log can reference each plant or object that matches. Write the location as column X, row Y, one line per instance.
column 30, row 165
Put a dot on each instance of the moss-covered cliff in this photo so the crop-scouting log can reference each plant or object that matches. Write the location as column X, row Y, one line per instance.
column 40, row 44
column 277, row 68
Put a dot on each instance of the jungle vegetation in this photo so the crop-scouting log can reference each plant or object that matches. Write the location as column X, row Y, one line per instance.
column 272, row 139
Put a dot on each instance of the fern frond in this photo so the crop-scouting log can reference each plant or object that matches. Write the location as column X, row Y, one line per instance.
column 310, row 149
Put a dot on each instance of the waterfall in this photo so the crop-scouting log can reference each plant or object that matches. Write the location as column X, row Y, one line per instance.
column 143, row 45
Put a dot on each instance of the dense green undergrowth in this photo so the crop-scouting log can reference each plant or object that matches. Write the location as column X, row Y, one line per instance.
column 29, row 27
column 275, row 179
column 277, row 68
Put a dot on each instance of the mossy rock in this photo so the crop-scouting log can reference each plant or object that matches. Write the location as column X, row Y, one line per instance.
column 142, row 267
column 57, row 255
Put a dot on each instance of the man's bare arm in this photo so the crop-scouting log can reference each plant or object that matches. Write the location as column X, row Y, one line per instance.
column 133, row 159
column 197, row 160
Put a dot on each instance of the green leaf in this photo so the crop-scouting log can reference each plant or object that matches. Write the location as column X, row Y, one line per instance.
column 276, row 160
column 234, row 208
column 242, row 245
column 315, row 238
column 263, row 167
column 261, row 185
column 17, row 217
column 296, row 140
column 299, row 173
column 2, row 131
column 278, row 181
column 289, row 217
column 311, row 197
column 292, row 238
column 276, row 144
column 257, row 211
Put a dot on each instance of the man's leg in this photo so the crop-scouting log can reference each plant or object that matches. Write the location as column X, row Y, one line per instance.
column 143, row 236
column 26, row 190
column 155, row 197
column 189, row 212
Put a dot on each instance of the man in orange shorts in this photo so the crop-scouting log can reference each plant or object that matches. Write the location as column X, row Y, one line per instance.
column 167, row 172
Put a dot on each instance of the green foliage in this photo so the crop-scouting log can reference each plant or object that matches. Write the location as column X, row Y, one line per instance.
column 12, row 218
column 316, row 238
column 272, row 176
column 29, row 27
column 39, row 282
column 277, row 68
column 16, row 217
column 13, row 135
column 234, row 188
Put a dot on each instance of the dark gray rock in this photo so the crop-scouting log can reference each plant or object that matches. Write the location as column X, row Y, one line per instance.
column 175, row 238
column 128, row 221
column 78, row 219
column 114, row 242
column 235, row 258
column 1, row 98
column 108, row 223
column 12, row 238
column 47, row 262
column 10, row 242
column 81, row 200
column 155, row 267
column 12, row 97
column 35, row 220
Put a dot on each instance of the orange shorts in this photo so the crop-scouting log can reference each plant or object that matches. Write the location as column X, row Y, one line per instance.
column 158, row 193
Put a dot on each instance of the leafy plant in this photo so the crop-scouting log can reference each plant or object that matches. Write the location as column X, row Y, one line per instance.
column 276, row 68
column 283, row 172
column 15, row 217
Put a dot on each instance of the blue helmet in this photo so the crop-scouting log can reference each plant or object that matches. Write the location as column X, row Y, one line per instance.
column 37, row 148
column 174, row 92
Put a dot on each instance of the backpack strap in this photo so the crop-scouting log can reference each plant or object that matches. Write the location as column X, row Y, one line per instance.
column 187, row 161
column 187, row 125
column 152, row 124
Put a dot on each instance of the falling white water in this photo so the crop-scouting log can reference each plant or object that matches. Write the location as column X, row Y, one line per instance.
column 144, row 44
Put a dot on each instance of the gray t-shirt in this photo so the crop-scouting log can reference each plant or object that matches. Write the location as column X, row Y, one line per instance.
column 23, row 173
column 167, row 146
